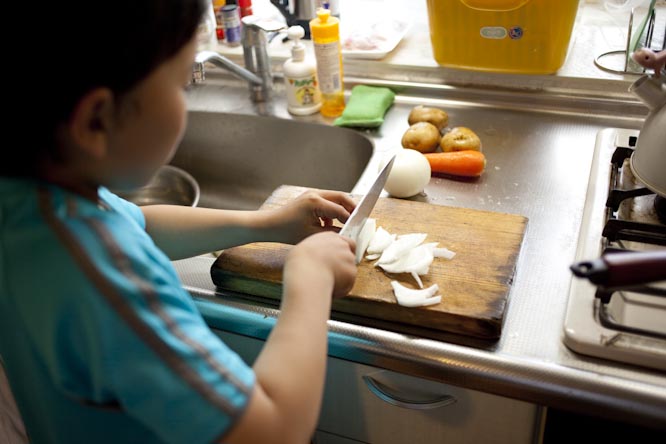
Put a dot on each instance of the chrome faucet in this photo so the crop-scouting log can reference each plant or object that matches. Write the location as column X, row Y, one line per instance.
column 257, row 69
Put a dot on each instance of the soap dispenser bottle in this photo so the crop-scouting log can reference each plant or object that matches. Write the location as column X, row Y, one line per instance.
column 300, row 76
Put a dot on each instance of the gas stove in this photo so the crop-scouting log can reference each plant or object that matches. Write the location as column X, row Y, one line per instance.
column 627, row 326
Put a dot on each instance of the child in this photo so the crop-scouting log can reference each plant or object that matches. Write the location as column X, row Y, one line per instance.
column 99, row 340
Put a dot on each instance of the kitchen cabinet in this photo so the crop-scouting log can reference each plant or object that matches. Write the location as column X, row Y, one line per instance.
column 371, row 405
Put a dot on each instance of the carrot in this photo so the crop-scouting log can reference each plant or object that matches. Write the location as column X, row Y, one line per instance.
column 468, row 163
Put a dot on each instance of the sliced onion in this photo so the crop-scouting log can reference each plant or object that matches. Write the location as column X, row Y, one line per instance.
column 444, row 253
column 403, row 254
column 364, row 238
column 415, row 261
column 409, row 297
column 417, row 278
column 380, row 241
column 400, row 247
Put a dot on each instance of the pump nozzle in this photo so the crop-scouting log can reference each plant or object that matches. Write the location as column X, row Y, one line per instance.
column 296, row 33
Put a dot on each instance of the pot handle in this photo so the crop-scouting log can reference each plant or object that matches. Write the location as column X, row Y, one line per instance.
column 623, row 269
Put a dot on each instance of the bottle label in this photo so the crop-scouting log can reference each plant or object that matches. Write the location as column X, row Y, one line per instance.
column 232, row 24
column 303, row 91
column 329, row 69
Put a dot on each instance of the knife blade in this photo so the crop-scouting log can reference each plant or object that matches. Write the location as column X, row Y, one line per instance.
column 357, row 219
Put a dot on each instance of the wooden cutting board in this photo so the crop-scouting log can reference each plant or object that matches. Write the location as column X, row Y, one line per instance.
column 474, row 285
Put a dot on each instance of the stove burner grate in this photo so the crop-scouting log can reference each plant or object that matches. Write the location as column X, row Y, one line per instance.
column 660, row 208
column 616, row 228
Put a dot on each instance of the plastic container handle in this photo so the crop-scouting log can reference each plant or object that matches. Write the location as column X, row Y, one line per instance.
column 494, row 5
column 382, row 392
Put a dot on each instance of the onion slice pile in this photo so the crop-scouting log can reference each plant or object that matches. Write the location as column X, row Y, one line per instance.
column 415, row 261
column 402, row 254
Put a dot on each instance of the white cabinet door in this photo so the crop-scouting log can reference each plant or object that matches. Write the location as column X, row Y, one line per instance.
column 379, row 406
column 373, row 405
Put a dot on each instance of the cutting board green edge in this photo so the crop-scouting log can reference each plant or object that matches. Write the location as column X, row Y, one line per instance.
column 474, row 285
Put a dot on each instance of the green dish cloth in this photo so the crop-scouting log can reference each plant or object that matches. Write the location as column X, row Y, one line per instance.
column 366, row 107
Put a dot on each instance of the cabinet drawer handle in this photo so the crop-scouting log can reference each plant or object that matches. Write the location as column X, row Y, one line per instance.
column 382, row 392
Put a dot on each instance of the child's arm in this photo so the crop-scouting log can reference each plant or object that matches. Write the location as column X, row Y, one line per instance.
column 284, row 406
column 185, row 232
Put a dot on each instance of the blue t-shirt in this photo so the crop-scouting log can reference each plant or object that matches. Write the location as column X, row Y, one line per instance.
column 100, row 341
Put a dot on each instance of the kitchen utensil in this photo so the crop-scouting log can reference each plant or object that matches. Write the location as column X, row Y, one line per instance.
column 648, row 163
column 623, row 269
column 640, row 37
column 622, row 61
column 170, row 185
column 297, row 12
column 474, row 285
column 362, row 211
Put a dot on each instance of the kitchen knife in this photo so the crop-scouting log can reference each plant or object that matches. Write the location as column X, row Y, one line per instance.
column 352, row 228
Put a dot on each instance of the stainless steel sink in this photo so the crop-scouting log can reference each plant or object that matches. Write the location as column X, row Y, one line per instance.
column 240, row 159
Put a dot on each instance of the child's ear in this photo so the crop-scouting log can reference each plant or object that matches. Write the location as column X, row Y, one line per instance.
column 91, row 122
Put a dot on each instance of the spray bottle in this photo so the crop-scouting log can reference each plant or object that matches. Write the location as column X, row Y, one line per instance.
column 325, row 31
column 300, row 76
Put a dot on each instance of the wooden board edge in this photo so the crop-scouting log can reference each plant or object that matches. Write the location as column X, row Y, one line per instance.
column 485, row 329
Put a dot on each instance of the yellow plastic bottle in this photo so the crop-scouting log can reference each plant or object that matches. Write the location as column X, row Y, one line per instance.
column 325, row 32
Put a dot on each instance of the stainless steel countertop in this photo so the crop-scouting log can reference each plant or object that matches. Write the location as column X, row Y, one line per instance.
column 539, row 146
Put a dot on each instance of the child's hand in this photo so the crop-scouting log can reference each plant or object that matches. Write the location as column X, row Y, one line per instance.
column 312, row 212
column 323, row 258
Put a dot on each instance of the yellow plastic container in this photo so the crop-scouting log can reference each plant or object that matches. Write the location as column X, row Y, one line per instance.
column 518, row 36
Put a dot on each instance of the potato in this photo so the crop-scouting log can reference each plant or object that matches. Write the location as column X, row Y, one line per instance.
column 459, row 139
column 422, row 136
column 434, row 116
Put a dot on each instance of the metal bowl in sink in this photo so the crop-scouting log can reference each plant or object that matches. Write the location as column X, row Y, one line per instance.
column 170, row 185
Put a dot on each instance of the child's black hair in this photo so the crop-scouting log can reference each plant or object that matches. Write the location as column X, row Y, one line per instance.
column 87, row 44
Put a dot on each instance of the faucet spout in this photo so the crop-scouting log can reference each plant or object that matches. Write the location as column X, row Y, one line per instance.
column 258, row 72
column 198, row 73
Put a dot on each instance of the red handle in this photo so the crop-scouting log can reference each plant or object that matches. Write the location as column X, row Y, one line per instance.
column 626, row 269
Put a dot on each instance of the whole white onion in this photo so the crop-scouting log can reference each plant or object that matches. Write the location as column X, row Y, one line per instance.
column 409, row 175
